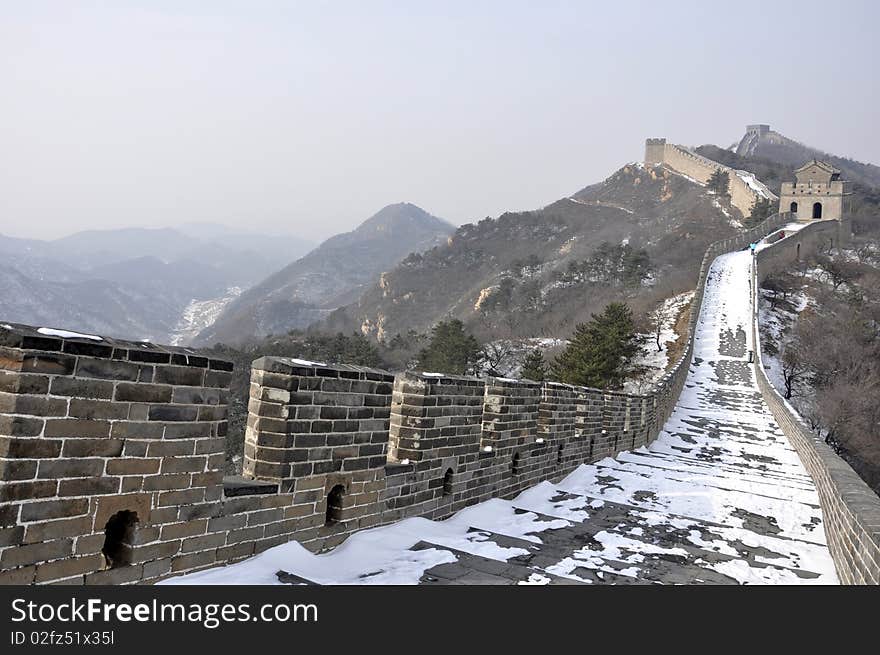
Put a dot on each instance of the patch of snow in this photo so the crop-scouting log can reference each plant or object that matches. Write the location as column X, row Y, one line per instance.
column 687, row 177
column 778, row 235
column 383, row 556
column 602, row 203
column 304, row 362
column 755, row 185
column 730, row 219
column 67, row 334
column 536, row 579
column 652, row 362
column 200, row 315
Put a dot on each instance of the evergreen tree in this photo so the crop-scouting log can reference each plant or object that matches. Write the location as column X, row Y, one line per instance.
column 760, row 210
column 356, row 349
column 601, row 351
column 451, row 350
column 719, row 182
column 534, row 367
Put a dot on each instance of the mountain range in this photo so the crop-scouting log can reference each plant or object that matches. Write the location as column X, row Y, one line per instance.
column 520, row 275
column 334, row 274
column 533, row 274
column 770, row 145
column 524, row 274
column 133, row 283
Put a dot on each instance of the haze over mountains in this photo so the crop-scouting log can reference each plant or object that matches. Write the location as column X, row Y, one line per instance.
column 332, row 275
column 132, row 283
column 401, row 270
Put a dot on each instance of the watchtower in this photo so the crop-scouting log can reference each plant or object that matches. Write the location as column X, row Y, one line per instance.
column 759, row 129
column 655, row 151
column 818, row 193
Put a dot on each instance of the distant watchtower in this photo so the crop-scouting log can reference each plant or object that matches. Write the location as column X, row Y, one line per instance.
column 655, row 151
column 758, row 129
column 818, row 193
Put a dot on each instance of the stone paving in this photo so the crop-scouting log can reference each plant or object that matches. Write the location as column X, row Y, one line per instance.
column 719, row 498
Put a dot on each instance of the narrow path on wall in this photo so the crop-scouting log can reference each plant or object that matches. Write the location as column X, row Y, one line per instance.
column 719, row 497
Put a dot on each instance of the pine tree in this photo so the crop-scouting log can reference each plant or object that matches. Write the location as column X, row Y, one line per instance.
column 759, row 211
column 601, row 351
column 534, row 367
column 719, row 182
column 451, row 350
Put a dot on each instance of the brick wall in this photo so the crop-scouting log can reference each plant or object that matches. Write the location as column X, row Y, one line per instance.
column 811, row 238
column 93, row 427
column 314, row 428
column 699, row 168
column 111, row 452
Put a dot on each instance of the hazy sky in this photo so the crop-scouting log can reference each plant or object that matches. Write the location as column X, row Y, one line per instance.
column 310, row 116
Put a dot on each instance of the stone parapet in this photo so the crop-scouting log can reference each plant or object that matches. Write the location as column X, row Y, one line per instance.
column 112, row 452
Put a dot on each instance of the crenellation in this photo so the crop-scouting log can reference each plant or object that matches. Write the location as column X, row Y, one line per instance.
column 112, row 453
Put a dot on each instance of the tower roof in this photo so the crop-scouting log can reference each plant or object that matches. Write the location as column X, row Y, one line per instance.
column 824, row 165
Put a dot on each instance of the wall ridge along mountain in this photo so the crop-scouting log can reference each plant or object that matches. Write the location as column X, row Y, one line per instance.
column 744, row 187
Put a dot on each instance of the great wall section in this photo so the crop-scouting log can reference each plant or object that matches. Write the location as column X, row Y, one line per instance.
column 744, row 187
column 112, row 452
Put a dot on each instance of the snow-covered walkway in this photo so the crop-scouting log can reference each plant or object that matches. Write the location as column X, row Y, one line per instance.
column 719, row 497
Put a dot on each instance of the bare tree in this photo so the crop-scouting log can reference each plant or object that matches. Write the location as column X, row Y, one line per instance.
column 838, row 271
column 772, row 285
column 641, row 379
column 794, row 369
column 495, row 355
column 866, row 253
column 658, row 319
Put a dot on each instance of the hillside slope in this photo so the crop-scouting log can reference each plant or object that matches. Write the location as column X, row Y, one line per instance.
column 524, row 274
column 333, row 274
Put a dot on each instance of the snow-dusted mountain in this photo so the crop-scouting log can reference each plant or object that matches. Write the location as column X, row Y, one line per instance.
column 132, row 283
column 330, row 276
column 760, row 142
column 199, row 315
column 526, row 274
